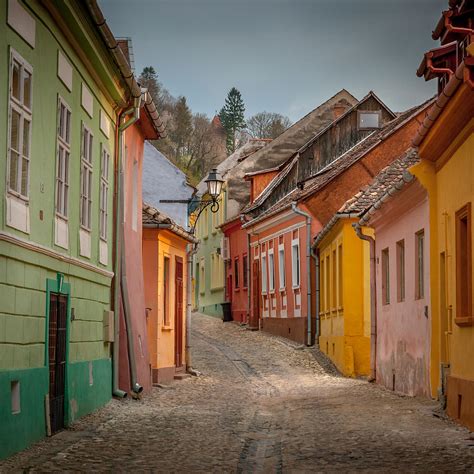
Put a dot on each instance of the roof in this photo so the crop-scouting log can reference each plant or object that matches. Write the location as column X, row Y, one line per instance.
column 343, row 162
column 152, row 216
column 283, row 147
column 391, row 178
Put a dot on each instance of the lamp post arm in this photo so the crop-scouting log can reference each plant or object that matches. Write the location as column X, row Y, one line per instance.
column 200, row 208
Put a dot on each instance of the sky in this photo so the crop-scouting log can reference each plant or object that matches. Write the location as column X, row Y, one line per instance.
column 284, row 56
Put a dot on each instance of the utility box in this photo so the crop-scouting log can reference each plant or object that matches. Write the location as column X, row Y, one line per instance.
column 108, row 326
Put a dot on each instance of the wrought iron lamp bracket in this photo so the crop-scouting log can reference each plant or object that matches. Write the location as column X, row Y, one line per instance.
column 214, row 206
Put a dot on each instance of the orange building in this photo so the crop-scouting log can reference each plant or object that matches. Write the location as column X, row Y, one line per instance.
column 165, row 273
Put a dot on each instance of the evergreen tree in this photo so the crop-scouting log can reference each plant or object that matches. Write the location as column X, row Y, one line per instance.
column 232, row 118
column 183, row 127
column 149, row 79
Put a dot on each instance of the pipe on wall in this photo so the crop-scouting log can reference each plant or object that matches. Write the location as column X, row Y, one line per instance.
column 308, row 267
column 373, row 301
column 192, row 249
column 120, row 269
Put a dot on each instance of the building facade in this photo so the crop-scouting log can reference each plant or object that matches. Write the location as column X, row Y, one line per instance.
column 446, row 143
column 165, row 272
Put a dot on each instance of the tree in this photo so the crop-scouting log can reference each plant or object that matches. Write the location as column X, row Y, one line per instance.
column 267, row 125
column 232, row 118
column 149, row 79
column 182, row 126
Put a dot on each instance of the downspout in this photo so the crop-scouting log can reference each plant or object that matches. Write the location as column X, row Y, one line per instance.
column 317, row 276
column 120, row 265
column 295, row 209
column 249, row 262
column 373, row 302
column 192, row 249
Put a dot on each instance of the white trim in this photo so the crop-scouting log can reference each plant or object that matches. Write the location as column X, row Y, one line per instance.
column 18, row 213
column 64, row 71
column 34, row 247
column 86, row 170
column 65, row 146
column 295, row 266
column 104, row 123
column 271, row 221
column 281, row 267
column 61, row 232
column 271, row 271
column 278, row 234
column 21, row 21
column 103, row 252
column 84, row 243
column 263, row 273
column 87, row 100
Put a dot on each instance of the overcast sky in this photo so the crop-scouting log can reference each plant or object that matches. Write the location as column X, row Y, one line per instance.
column 284, row 56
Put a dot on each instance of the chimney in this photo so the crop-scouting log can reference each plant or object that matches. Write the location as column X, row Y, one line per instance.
column 338, row 109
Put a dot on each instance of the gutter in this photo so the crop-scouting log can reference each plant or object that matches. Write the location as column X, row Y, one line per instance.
column 308, row 218
column 173, row 228
column 122, row 64
column 443, row 98
column 249, row 262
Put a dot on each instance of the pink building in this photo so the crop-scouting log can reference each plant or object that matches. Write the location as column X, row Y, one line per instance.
column 396, row 206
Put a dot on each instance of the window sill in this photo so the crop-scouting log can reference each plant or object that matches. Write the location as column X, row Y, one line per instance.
column 166, row 328
column 295, row 287
column 245, row 288
column 236, row 289
column 217, row 288
column 464, row 321
column 282, row 290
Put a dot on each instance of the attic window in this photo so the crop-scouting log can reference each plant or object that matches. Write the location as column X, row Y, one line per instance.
column 368, row 120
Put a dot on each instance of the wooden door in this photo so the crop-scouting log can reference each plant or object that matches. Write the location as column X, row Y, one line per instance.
column 178, row 320
column 255, row 316
column 57, row 359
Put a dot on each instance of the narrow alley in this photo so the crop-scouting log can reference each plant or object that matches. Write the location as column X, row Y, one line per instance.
column 259, row 405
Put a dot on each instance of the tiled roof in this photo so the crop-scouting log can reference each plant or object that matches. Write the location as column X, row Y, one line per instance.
column 153, row 216
column 343, row 162
column 391, row 178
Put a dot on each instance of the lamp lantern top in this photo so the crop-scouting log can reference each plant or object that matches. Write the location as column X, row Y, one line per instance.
column 214, row 183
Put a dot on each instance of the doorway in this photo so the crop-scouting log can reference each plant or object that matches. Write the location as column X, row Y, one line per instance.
column 57, row 359
column 178, row 320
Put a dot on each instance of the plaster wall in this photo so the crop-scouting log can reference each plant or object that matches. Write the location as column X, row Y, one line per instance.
column 404, row 327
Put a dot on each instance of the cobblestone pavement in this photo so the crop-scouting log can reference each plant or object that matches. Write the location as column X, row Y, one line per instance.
column 260, row 405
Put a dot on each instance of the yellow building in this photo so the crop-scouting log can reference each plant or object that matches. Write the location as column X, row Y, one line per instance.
column 344, row 308
column 446, row 147
column 166, row 277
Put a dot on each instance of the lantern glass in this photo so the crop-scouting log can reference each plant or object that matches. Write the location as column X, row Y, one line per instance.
column 214, row 184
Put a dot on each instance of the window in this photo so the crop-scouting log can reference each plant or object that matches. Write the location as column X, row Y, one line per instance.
column 104, row 192
column 217, row 271
column 328, row 286
column 264, row 273
column 385, row 277
column 368, row 120
column 15, row 397
column 86, row 177
column 215, row 220
column 401, row 271
column 202, row 276
column 205, row 223
column 334, row 279
column 295, row 263
column 322, row 286
column 166, row 291
column 236, row 273
column 245, row 269
column 63, row 156
column 340, row 280
column 20, row 114
column 464, row 263
column 271, row 270
column 281, row 266
column 419, row 271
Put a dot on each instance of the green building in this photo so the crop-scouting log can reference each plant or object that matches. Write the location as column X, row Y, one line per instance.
column 59, row 94
column 208, row 262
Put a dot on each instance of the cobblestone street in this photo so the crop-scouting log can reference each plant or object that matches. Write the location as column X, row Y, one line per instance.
column 260, row 405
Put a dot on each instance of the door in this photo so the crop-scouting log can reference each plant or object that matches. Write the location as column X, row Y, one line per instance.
column 255, row 316
column 57, row 359
column 178, row 319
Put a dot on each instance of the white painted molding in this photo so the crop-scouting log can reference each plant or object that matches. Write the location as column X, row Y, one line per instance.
column 104, row 123
column 103, row 252
column 64, row 71
column 87, row 100
column 18, row 214
column 84, row 243
column 61, row 233
column 34, row 247
column 22, row 22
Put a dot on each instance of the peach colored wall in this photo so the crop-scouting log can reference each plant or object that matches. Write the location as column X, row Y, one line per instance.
column 133, row 254
column 156, row 245
column 260, row 182
column 403, row 329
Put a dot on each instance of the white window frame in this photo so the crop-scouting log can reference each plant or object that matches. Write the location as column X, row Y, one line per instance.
column 63, row 159
column 263, row 258
column 271, row 271
column 104, row 192
column 295, row 264
column 26, row 114
column 86, row 173
column 281, row 266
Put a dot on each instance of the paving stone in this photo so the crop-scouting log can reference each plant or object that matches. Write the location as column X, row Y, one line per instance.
column 258, row 406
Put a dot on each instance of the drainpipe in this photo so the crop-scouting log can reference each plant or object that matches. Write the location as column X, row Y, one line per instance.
column 120, row 265
column 317, row 328
column 295, row 209
column 249, row 262
column 192, row 249
column 373, row 301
